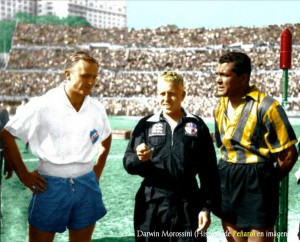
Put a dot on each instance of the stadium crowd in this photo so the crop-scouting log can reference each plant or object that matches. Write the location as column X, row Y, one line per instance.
column 146, row 59
column 166, row 36
column 130, row 61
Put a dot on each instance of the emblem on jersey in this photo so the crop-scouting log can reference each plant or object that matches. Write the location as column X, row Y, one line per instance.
column 191, row 129
column 158, row 129
column 94, row 136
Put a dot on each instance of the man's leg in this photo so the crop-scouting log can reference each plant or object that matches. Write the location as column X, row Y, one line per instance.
column 262, row 235
column 231, row 233
column 36, row 235
column 235, row 234
column 82, row 235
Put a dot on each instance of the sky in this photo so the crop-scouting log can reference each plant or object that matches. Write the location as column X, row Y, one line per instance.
column 210, row 14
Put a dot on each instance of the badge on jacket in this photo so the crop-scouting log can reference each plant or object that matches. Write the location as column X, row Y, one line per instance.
column 158, row 129
column 191, row 129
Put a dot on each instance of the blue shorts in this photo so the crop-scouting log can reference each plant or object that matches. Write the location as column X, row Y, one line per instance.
column 73, row 203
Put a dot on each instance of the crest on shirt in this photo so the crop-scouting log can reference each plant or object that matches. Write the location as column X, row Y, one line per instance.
column 191, row 129
column 158, row 129
column 94, row 136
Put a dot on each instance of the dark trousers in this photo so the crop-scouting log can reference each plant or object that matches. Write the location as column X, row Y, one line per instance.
column 161, row 216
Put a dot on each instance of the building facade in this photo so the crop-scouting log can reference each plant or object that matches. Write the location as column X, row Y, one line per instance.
column 99, row 13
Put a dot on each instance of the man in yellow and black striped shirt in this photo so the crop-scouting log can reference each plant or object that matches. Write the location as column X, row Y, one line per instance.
column 257, row 146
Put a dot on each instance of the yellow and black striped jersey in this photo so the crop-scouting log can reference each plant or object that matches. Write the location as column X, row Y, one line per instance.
column 257, row 128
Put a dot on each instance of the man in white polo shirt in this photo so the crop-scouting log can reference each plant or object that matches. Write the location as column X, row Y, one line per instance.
column 67, row 130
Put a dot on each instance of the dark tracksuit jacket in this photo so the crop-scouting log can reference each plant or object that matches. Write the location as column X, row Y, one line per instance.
column 169, row 198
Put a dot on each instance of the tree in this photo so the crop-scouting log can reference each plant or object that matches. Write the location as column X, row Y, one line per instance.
column 8, row 27
column 75, row 21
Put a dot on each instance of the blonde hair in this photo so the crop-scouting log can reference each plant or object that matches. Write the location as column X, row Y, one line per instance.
column 172, row 76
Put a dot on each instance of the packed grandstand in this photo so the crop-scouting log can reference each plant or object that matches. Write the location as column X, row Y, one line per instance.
column 130, row 61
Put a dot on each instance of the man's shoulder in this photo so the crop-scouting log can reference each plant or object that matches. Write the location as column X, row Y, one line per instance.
column 262, row 97
column 95, row 103
column 149, row 118
column 192, row 118
column 266, row 102
column 51, row 93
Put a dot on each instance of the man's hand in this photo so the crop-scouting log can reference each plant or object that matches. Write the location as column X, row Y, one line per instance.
column 8, row 169
column 34, row 181
column 203, row 220
column 286, row 159
column 143, row 152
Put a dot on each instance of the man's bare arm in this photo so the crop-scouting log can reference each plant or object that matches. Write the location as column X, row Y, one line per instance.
column 103, row 153
column 14, row 162
column 286, row 160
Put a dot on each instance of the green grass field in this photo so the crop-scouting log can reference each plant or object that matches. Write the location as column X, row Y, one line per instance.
column 119, row 190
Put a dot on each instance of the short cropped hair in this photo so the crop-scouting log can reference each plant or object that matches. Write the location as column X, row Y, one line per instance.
column 242, row 62
column 172, row 76
column 77, row 56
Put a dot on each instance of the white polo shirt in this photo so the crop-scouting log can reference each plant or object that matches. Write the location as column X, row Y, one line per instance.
column 59, row 135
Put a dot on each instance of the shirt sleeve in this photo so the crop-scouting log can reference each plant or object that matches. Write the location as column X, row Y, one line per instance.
column 131, row 162
column 24, row 123
column 208, row 173
column 106, row 129
column 280, row 134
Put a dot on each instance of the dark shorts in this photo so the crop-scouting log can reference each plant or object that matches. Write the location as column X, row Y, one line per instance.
column 73, row 203
column 250, row 194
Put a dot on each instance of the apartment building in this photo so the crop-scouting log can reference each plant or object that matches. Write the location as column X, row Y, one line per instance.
column 99, row 13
